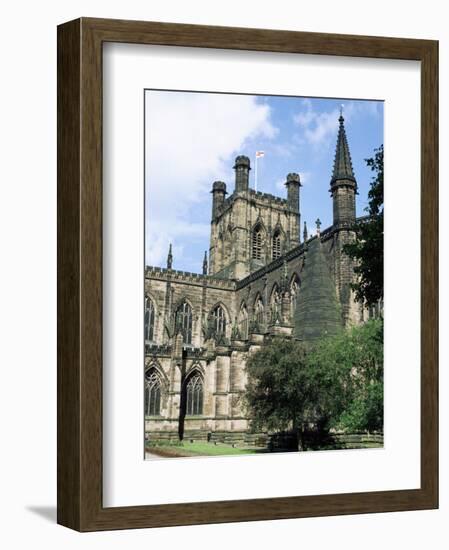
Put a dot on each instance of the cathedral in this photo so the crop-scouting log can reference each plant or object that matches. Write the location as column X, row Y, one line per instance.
column 259, row 280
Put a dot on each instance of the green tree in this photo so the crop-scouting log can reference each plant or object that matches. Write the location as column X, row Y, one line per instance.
column 350, row 366
column 368, row 248
column 336, row 382
column 280, row 394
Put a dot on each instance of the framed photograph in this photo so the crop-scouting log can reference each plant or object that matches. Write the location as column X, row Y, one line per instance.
column 247, row 274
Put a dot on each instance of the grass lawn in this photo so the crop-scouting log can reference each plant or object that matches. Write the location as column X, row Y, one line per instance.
column 200, row 448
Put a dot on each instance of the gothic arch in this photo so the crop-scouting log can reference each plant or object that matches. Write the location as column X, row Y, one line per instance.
column 156, row 389
column 150, row 318
column 258, row 241
column 180, row 301
column 277, row 242
column 183, row 319
column 219, row 319
column 150, row 296
column 193, row 392
column 225, row 309
column 195, row 367
column 259, row 223
column 152, row 363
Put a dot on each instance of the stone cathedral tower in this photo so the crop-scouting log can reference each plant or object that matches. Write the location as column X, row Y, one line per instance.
column 249, row 229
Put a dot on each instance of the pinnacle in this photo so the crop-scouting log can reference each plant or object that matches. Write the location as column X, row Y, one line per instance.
column 342, row 161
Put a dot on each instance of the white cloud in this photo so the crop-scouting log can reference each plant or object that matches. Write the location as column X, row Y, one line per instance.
column 319, row 127
column 190, row 141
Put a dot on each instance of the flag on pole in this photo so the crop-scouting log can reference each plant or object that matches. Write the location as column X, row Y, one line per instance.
column 259, row 154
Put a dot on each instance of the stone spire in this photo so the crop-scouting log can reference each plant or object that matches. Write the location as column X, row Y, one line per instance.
column 305, row 232
column 342, row 161
column 343, row 183
column 205, row 263
column 169, row 258
column 317, row 312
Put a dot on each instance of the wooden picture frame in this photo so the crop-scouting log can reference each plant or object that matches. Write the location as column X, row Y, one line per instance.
column 80, row 504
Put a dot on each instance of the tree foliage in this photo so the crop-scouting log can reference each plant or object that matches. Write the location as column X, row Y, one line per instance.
column 352, row 366
column 336, row 383
column 367, row 249
column 280, row 393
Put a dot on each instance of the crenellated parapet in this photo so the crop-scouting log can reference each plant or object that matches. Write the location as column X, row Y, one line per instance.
column 267, row 197
column 174, row 275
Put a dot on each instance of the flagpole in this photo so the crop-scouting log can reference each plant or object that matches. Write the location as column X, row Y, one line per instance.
column 255, row 173
column 256, row 157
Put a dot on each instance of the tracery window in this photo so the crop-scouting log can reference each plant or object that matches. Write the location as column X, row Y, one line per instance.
column 194, row 395
column 277, row 242
column 257, row 243
column 183, row 320
column 153, row 390
column 243, row 322
column 149, row 319
column 219, row 320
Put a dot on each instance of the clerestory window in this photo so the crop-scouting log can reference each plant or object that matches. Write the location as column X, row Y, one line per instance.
column 149, row 319
column 183, row 321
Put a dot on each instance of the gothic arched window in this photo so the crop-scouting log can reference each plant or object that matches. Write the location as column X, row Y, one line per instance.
column 243, row 322
column 153, row 391
column 219, row 320
column 277, row 245
column 294, row 288
column 149, row 319
column 257, row 244
column 183, row 320
column 194, row 395
column 259, row 312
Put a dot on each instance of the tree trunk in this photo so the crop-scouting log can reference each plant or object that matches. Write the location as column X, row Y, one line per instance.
column 300, row 437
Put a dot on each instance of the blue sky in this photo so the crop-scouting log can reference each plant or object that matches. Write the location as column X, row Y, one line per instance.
column 192, row 138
